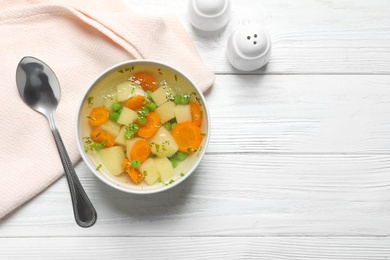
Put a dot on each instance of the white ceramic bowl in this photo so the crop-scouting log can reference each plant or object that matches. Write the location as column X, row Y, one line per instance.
column 104, row 83
column 209, row 15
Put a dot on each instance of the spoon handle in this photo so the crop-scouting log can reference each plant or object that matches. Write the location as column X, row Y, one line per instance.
column 84, row 212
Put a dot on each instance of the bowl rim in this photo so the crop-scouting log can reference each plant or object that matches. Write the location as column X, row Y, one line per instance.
column 80, row 145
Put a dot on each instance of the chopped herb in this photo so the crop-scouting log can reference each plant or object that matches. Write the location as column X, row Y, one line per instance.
column 90, row 100
column 98, row 167
column 144, row 111
column 175, row 77
column 203, row 134
column 121, row 71
column 182, row 174
column 145, row 173
column 89, row 145
column 166, row 184
column 108, row 97
column 91, row 118
column 157, row 147
column 130, row 131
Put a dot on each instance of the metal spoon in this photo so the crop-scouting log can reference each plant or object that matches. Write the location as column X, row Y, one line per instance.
column 40, row 90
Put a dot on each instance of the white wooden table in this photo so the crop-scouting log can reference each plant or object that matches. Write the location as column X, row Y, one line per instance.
column 298, row 166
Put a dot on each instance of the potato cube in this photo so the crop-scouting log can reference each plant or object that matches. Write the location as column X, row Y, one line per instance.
column 163, row 144
column 112, row 159
column 149, row 171
column 166, row 111
column 111, row 128
column 162, row 95
column 164, row 167
column 128, row 89
column 108, row 101
column 125, row 90
column 127, row 116
column 183, row 113
column 120, row 139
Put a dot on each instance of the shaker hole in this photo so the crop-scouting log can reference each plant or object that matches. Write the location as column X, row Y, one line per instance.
column 255, row 42
column 248, row 37
column 255, row 35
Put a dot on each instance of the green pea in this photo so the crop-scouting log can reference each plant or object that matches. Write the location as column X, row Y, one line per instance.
column 149, row 94
column 181, row 99
column 135, row 164
column 144, row 111
column 116, row 106
column 174, row 162
column 114, row 116
column 141, row 120
column 98, row 146
column 151, row 106
column 177, row 99
column 133, row 127
column 181, row 156
column 168, row 126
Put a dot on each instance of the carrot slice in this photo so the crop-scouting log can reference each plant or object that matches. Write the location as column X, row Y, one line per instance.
column 147, row 81
column 98, row 135
column 135, row 175
column 140, row 151
column 153, row 123
column 196, row 113
column 98, row 116
column 136, row 102
column 187, row 136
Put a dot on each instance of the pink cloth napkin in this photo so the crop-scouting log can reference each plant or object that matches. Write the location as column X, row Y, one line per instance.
column 78, row 40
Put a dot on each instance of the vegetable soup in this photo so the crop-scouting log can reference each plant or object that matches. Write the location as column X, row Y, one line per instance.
column 143, row 126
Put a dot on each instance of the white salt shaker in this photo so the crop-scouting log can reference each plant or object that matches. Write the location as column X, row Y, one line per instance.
column 209, row 15
column 249, row 47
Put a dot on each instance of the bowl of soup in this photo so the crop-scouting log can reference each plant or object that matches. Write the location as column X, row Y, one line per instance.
column 142, row 127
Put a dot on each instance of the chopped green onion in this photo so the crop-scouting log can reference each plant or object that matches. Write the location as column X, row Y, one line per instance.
column 131, row 131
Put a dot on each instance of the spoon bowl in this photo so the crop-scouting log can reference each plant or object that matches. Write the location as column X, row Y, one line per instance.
column 39, row 88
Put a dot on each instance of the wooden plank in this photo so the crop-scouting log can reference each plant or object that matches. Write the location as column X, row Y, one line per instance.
column 195, row 248
column 312, row 36
column 230, row 195
column 300, row 114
